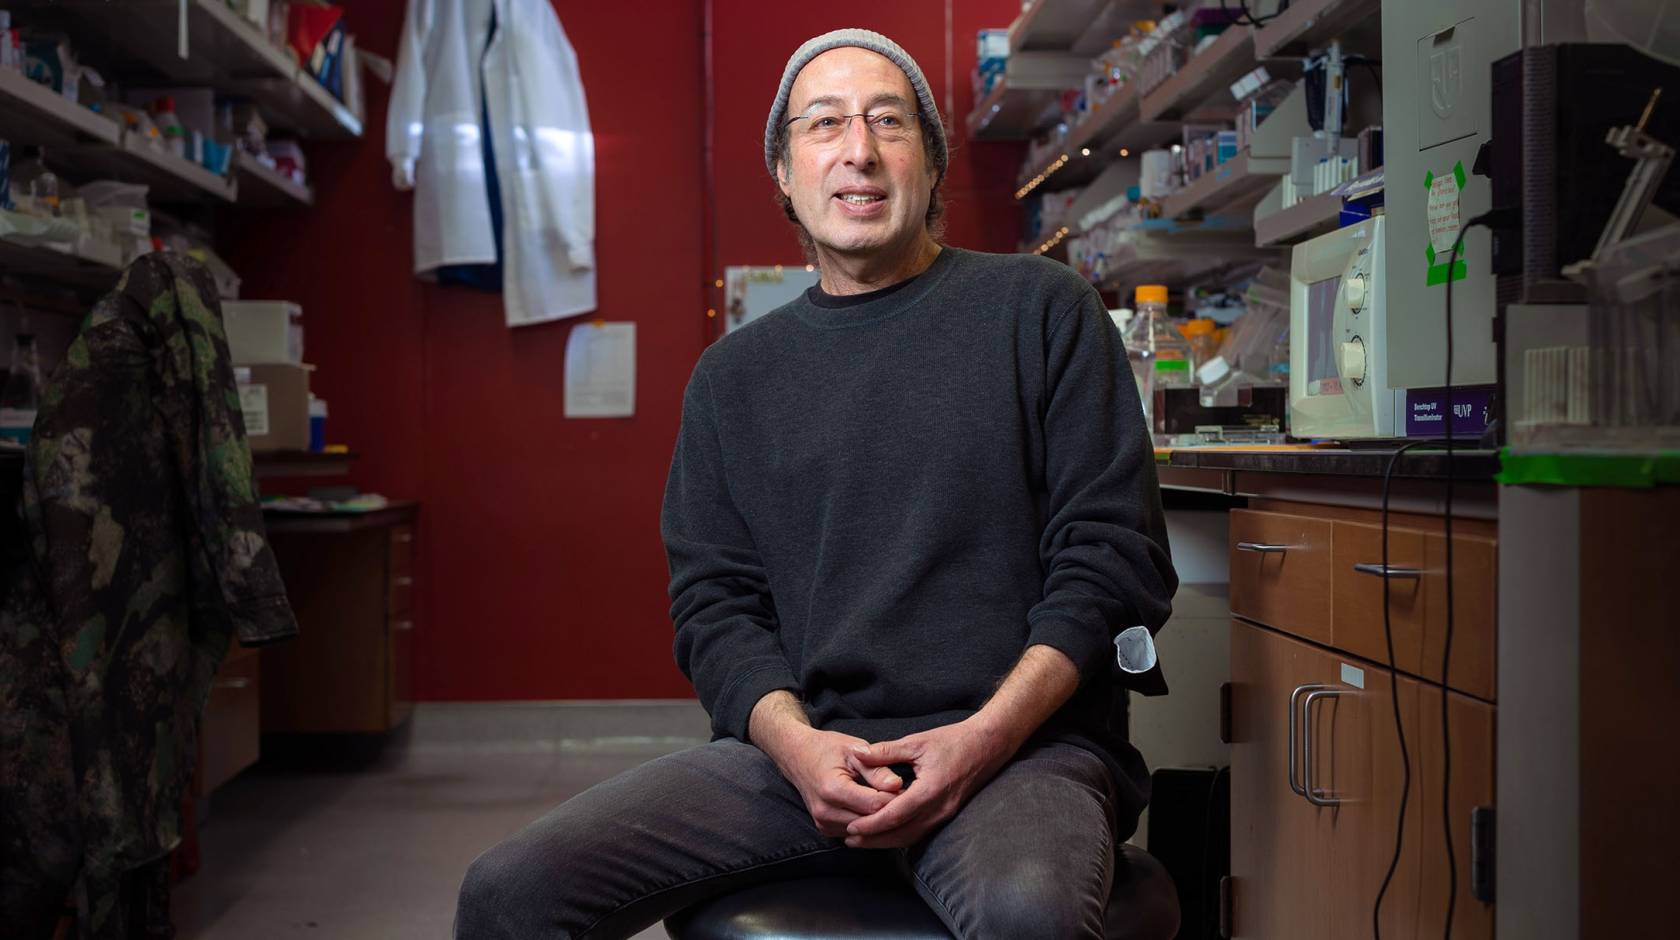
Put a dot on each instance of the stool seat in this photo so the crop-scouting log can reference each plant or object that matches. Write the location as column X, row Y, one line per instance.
column 1143, row 905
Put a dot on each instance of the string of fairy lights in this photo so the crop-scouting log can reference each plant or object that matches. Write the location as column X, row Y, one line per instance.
column 1049, row 171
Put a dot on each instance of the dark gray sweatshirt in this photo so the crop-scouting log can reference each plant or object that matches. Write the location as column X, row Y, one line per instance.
column 879, row 506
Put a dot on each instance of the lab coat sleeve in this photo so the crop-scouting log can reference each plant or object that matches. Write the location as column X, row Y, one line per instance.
column 726, row 623
column 567, row 152
column 405, row 123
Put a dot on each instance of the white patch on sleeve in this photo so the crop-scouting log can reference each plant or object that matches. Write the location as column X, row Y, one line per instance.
column 1134, row 649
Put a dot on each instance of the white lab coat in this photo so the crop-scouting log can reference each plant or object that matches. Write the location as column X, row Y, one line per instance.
column 539, row 127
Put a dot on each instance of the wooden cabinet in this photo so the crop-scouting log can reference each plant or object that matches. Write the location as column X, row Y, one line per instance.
column 1317, row 766
column 229, row 734
column 352, row 584
column 1315, row 791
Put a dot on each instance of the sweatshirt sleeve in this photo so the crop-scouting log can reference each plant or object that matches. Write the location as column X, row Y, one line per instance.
column 1104, row 548
column 720, row 595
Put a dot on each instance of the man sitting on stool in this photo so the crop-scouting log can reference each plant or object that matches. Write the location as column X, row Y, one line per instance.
column 906, row 517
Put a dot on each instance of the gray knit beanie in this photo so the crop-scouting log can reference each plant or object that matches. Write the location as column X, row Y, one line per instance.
column 874, row 42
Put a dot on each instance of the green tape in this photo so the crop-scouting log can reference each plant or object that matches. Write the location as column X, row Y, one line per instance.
column 1438, row 273
column 1634, row 471
column 1172, row 365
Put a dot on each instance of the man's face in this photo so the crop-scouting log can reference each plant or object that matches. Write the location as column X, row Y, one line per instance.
column 863, row 192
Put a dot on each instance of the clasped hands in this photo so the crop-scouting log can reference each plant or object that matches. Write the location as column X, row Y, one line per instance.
column 852, row 791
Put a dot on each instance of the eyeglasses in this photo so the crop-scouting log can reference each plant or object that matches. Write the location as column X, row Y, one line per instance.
column 826, row 127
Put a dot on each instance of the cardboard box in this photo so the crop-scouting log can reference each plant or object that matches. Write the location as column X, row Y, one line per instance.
column 275, row 401
column 263, row 332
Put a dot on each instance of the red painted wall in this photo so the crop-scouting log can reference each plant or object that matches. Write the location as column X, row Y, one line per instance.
column 542, row 575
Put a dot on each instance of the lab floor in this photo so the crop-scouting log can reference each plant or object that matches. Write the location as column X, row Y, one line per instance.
column 378, row 850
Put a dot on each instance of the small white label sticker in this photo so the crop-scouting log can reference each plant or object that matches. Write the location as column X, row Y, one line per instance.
column 1444, row 215
column 253, row 403
column 1353, row 675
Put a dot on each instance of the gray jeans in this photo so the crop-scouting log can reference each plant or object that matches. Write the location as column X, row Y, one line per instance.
column 1031, row 855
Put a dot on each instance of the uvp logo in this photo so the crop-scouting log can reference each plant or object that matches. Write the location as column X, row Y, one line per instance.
column 1446, row 74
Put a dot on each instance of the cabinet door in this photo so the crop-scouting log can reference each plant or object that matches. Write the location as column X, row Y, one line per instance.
column 1471, row 736
column 1366, row 758
column 334, row 675
column 1279, row 841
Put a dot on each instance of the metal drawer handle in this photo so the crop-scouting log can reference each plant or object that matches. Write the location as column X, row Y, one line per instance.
column 1294, row 712
column 1306, row 751
column 403, row 625
column 405, row 581
column 235, row 683
column 1392, row 571
column 1262, row 547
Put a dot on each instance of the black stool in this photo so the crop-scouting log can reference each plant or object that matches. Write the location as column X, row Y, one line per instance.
column 1143, row 905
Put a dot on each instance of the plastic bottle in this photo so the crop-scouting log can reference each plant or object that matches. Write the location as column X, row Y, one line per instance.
column 1168, row 350
column 1202, row 335
column 21, row 396
column 174, row 134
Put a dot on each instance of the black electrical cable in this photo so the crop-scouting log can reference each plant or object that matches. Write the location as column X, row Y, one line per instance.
column 1486, row 220
column 1446, row 651
column 1446, row 646
column 1394, row 697
column 1248, row 18
column 1374, row 65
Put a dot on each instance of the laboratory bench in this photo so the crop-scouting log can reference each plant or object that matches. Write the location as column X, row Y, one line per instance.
column 1557, row 690
column 1307, row 712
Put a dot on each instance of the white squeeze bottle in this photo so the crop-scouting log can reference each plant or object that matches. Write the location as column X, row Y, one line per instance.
column 169, row 125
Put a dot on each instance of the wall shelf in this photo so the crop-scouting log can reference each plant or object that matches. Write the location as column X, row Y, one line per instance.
column 1163, row 251
column 1009, row 113
column 1209, row 74
column 1309, row 24
column 1053, row 25
column 263, row 187
column 168, row 178
column 45, row 263
column 85, row 145
column 139, row 39
column 1023, row 100
column 1113, row 125
column 1224, row 185
column 1310, row 217
column 35, row 114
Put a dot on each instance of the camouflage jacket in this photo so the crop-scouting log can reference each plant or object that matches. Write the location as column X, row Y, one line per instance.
column 146, row 553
